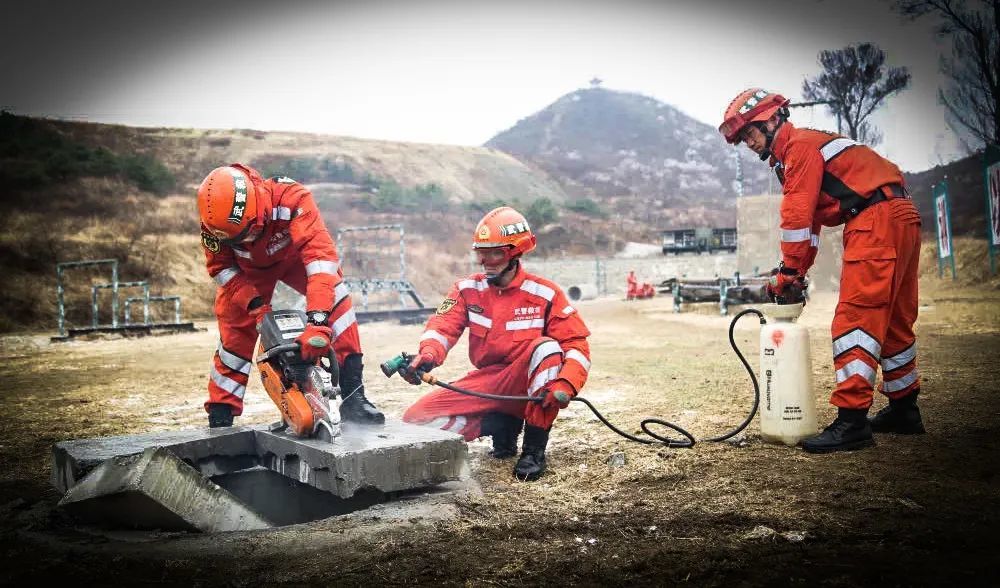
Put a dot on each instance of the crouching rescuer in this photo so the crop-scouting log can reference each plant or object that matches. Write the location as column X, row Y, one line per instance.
column 525, row 340
column 254, row 233
column 829, row 180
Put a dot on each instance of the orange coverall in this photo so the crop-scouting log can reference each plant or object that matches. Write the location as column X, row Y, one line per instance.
column 295, row 248
column 521, row 337
column 827, row 180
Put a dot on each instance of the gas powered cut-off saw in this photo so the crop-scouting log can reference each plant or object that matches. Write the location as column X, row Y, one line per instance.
column 305, row 392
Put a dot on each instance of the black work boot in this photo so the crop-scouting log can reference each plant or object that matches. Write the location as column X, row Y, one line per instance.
column 532, row 462
column 220, row 415
column 849, row 431
column 354, row 405
column 902, row 416
column 504, row 429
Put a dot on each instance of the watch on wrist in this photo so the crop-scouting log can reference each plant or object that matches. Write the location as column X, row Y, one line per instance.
column 317, row 317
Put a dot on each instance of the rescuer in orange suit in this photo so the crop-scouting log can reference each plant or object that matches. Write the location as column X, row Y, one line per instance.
column 828, row 180
column 632, row 286
column 255, row 232
column 525, row 339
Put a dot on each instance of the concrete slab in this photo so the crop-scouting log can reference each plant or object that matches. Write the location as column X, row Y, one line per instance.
column 157, row 490
column 389, row 458
column 74, row 458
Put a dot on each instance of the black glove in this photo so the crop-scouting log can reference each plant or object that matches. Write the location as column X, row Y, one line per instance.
column 421, row 361
column 786, row 286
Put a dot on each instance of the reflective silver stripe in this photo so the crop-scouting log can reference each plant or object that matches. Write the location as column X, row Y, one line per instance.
column 232, row 361
column 432, row 334
column 569, row 310
column 900, row 383
column 543, row 377
column 834, row 147
column 222, row 278
column 343, row 323
column 458, row 425
column 537, row 289
column 340, row 292
column 525, row 324
column 856, row 368
column 281, row 213
column 814, row 240
column 472, row 285
column 241, row 253
column 438, row 422
column 900, row 359
column 856, row 338
column 578, row 357
column 541, row 352
column 321, row 266
column 796, row 235
column 475, row 317
column 231, row 386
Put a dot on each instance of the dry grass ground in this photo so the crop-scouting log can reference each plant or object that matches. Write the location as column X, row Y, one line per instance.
column 910, row 511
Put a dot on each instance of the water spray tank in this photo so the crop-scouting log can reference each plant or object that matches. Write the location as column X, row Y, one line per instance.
column 582, row 292
column 787, row 404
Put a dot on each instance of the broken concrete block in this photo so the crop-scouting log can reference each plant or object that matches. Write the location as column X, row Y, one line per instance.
column 157, row 490
column 388, row 458
column 202, row 448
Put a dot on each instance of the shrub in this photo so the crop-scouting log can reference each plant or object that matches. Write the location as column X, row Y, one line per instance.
column 541, row 212
column 33, row 155
column 588, row 207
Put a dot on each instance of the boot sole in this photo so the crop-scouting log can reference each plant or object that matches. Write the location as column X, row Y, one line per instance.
column 528, row 478
column 845, row 447
column 502, row 454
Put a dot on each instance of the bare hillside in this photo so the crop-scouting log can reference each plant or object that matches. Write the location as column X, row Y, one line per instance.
column 465, row 173
column 640, row 157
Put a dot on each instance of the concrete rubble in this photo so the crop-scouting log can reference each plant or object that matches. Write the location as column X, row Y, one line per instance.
column 248, row 477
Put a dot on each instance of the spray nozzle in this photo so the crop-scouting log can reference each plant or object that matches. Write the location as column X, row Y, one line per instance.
column 392, row 366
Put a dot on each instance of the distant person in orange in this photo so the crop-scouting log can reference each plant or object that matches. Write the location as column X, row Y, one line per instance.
column 829, row 180
column 255, row 232
column 632, row 286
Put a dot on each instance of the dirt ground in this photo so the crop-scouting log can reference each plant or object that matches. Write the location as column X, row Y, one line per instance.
column 911, row 511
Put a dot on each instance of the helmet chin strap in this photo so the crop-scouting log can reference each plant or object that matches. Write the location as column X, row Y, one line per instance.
column 769, row 135
column 494, row 279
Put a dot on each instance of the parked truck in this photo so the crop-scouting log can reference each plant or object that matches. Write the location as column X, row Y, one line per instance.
column 700, row 239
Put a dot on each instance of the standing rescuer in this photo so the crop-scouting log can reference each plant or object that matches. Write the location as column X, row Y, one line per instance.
column 524, row 339
column 256, row 232
column 828, row 180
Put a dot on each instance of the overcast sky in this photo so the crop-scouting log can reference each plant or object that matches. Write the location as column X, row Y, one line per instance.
column 443, row 71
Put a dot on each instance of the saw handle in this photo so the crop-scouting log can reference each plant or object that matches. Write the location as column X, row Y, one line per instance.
column 277, row 350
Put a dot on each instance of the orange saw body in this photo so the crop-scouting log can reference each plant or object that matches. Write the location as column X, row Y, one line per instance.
column 304, row 392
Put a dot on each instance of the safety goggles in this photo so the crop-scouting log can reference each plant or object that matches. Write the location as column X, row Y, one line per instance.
column 249, row 234
column 731, row 128
column 493, row 255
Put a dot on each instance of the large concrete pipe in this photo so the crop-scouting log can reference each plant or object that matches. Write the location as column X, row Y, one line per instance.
column 582, row 292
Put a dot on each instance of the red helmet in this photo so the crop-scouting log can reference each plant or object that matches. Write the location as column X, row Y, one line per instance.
column 749, row 106
column 227, row 202
column 504, row 227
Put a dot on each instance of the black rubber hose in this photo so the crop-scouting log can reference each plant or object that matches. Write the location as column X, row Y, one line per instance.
column 654, row 438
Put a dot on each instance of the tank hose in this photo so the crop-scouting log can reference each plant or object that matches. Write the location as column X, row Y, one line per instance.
column 654, row 438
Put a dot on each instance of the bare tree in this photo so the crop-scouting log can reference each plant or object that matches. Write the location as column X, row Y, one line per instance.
column 972, row 100
column 854, row 83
